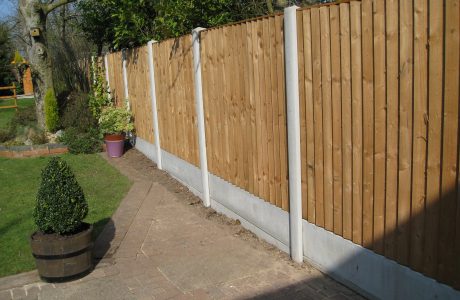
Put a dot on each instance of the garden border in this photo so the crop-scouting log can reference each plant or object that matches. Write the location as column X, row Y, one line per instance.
column 32, row 151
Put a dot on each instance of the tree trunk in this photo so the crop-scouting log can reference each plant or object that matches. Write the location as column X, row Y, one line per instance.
column 35, row 13
column 40, row 62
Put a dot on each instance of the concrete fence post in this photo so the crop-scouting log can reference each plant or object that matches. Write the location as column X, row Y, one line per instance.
column 93, row 69
column 107, row 79
column 153, row 98
column 293, row 130
column 200, row 114
column 125, row 77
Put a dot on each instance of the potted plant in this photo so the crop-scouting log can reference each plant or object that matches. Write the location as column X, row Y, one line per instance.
column 114, row 123
column 62, row 245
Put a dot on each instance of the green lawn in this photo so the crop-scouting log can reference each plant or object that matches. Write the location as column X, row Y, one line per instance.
column 103, row 185
column 7, row 114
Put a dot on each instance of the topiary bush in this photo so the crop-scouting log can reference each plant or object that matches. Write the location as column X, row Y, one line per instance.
column 61, row 205
column 51, row 111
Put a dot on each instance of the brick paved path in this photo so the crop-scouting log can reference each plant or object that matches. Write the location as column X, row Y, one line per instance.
column 162, row 244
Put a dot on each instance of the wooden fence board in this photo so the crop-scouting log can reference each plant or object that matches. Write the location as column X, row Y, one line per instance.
column 368, row 124
column 346, row 119
column 392, row 126
column 302, row 107
column 419, row 137
column 448, row 201
column 434, row 137
column 357, row 119
column 309, row 113
column 318, row 116
column 380, row 126
column 405, row 131
column 336, row 118
column 327, row 116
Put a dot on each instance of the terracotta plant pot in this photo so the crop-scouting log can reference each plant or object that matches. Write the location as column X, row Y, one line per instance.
column 115, row 144
column 61, row 257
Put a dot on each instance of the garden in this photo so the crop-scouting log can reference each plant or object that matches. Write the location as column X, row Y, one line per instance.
column 55, row 196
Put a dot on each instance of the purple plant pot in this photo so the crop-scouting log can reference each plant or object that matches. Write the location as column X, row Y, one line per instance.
column 115, row 144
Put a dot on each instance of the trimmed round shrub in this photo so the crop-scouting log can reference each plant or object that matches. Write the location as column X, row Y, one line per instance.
column 61, row 205
column 51, row 111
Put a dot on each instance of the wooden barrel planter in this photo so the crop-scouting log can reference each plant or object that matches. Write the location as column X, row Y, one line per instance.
column 63, row 257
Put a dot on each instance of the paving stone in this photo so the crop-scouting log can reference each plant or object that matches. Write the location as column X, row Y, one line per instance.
column 5, row 295
column 19, row 293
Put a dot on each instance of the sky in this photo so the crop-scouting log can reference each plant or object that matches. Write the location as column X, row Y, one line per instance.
column 6, row 9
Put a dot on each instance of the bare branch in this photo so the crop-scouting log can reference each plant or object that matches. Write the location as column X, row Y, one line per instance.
column 53, row 5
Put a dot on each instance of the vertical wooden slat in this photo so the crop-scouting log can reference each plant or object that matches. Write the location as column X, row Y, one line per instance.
column 380, row 126
column 420, row 134
column 318, row 116
column 269, row 112
column 435, row 64
column 327, row 116
column 405, row 131
column 275, row 100
column 252, row 155
column 265, row 96
column 368, row 123
column 204, row 58
column 219, row 40
column 346, row 119
column 357, row 119
column 282, row 112
column 336, row 117
column 448, row 201
column 310, row 137
column 226, row 102
column 233, row 84
column 302, row 106
column 392, row 37
column 258, row 60
column 246, row 148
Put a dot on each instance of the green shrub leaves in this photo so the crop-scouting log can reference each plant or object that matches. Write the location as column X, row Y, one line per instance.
column 61, row 205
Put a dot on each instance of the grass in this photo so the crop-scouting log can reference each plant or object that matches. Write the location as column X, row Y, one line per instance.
column 7, row 114
column 103, row 185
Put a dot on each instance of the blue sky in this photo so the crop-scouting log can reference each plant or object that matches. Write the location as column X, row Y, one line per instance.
column 6, row 9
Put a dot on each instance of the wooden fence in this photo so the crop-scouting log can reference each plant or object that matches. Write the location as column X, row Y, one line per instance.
column 243, row 83
column 379, row 89
column 175, row 94
column 137, row 68
column 116, row 77
column 379, row 110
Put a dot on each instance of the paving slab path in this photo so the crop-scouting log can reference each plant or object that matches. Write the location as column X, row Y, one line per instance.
column 161, row 243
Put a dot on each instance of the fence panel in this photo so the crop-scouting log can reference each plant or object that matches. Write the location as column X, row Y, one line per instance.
column 115, row 63
column 380, row 129
column 139, row 91
column 175, row 98
column 244, row 101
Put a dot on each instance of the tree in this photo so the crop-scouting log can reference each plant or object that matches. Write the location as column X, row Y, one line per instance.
column 35, row 13
column 6, row 56
column 129, row 23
